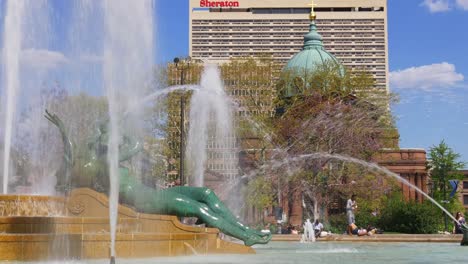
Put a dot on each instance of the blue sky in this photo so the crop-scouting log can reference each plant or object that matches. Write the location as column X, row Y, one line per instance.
column 428, row 57
column 428, row 54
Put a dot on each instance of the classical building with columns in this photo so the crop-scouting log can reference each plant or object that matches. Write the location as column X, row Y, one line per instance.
column 463, row 189
column 411, row 165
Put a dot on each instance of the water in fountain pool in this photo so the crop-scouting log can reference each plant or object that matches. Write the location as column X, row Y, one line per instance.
column 323, row 253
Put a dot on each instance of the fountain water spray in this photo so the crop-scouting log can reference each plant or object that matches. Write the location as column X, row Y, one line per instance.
column 209, row 109
column 377, row 168
column 309, row 234
column 128, row 52
column 11, row 60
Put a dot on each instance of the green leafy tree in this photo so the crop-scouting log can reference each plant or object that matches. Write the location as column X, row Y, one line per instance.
column 444, row 164
column 260, row 193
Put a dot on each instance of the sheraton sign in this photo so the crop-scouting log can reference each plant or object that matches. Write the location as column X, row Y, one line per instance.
column 207, row 3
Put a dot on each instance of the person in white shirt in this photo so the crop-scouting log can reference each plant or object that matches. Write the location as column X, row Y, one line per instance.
column 351, row 205
column 318, row 227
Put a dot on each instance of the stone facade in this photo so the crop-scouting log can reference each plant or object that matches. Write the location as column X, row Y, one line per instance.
column 463, row 189
column 410, row 164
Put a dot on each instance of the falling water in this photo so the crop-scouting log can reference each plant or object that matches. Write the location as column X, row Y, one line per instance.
column 309, row 234
column 128, row 54
column 210, row 108
column 11, row 61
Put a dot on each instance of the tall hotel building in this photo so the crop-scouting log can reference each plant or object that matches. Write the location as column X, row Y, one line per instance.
column 355, row 31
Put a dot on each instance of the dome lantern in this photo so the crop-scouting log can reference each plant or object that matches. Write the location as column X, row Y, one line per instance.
column 310, row 58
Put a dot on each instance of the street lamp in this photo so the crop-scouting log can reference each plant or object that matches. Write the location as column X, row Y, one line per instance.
column 182, row 67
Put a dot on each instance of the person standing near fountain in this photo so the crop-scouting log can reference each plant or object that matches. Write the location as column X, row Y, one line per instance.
column 351, row 205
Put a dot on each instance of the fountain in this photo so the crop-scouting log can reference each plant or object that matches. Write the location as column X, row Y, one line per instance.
column 210, row 115
column 82, row 217
column 92, row 224
column 144, row 223
column 309, row 234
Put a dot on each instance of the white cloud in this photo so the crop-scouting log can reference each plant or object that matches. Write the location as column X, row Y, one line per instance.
column 463, row 4
column 91, row 58
column 437, row 75
column 436, row 6
column 42, row 59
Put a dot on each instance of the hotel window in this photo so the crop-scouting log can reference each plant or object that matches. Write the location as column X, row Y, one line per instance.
column 465, row 199
column 465, row 185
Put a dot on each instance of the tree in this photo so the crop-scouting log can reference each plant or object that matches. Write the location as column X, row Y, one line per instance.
column 260, row 193
column 333, row 111
column 444, row 164
column 38, row 142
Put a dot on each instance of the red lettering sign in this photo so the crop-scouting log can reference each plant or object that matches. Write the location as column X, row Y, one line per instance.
column 207, row 3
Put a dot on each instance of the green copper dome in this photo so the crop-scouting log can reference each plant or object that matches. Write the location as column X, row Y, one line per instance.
column 312, row 56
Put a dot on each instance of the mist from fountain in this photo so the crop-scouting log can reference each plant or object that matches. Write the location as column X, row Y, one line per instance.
column 128, row 51
column 12, row 40
column 155, row 96
column 210, row 120
column 25, row 38
column 309, row 234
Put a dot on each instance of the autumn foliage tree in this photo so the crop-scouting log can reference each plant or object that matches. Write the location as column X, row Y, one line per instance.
column 331, row 111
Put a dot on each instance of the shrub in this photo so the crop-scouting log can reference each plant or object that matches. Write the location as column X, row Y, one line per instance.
column 409, row 217
column 364, row 216
column 337, row 223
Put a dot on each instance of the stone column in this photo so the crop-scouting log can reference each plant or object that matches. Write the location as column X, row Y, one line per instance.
column 412, row 191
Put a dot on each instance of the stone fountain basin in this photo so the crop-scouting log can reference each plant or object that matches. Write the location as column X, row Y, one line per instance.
column 77, row 227
column 31, row 205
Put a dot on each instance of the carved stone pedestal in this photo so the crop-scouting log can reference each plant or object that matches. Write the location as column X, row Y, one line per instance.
column 40, row 227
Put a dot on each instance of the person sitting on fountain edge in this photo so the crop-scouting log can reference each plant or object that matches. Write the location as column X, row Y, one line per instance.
column 318, row 228
column 457, row 225
column 355, row 230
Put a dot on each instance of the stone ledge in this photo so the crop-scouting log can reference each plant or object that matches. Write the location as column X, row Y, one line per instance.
column 22, row 247
column 379, row 238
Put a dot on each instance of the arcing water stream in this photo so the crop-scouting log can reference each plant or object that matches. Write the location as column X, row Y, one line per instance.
column 369, row 165
column 377, row 168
